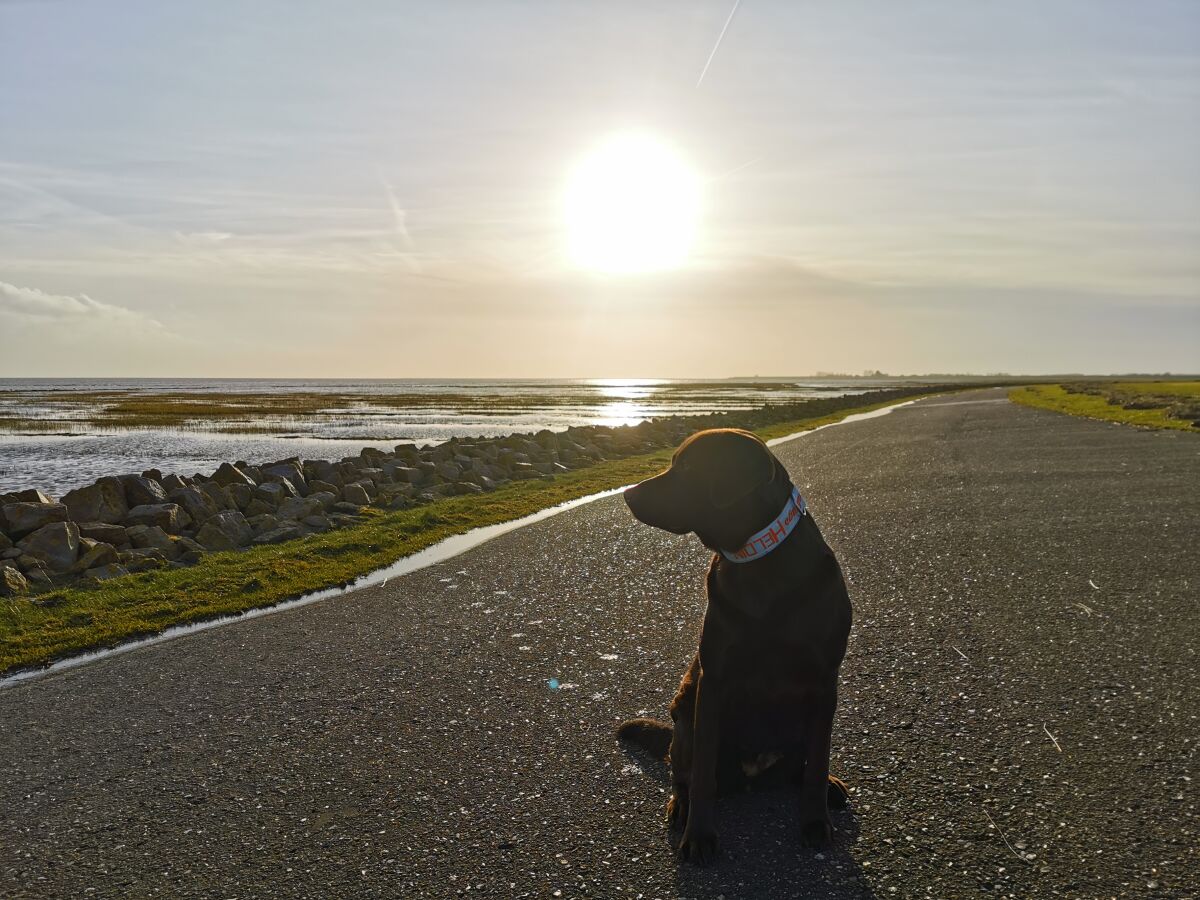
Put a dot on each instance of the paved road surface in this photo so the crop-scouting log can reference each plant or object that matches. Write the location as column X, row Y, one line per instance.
column 1016, row 574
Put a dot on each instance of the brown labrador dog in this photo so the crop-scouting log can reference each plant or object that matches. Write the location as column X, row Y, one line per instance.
column 760, row 693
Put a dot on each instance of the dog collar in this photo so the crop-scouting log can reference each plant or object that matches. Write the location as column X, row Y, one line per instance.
column 763, row 542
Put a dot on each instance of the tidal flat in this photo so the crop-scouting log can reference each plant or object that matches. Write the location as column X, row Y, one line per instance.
column 57, row 434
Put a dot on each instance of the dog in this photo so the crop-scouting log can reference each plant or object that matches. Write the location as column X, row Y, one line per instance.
column 759, row 696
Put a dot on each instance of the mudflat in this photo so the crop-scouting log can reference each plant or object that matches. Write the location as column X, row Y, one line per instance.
column 1018, row 712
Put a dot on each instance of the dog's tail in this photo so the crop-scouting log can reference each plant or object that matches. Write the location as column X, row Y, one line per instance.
column 649, row 734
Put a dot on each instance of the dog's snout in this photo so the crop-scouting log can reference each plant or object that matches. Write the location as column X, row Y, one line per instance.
column 635, row 499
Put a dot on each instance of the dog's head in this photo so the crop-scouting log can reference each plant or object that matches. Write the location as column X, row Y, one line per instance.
column 723, row 484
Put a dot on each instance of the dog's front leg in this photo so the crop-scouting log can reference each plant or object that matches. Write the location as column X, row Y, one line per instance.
column 683, row 716
column 699, row 844
column 815, row 828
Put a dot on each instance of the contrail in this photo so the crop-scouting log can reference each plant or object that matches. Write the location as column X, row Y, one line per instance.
column 720, row 37
column 399, row 215
column 406, row 246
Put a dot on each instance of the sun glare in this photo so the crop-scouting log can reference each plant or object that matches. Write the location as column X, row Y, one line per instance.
column 631, row 206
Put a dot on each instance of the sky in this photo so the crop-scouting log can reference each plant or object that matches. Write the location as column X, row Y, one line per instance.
column 376, row 189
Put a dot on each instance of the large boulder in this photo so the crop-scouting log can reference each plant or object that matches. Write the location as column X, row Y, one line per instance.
column 257, row 507
column 21, row 518
column 299, row 507
column 285, row 532
column 143, row 560
column 105, row 533
column 190, row 551
column 5, row 541
column 229, row 474
column 56, row 544
column 168, row 516
column 196, row 503
column 241, row 495
column 374, row 454
column 263, row 523
column 290, row 471
column 408, row 474
column 36, row 572
column 95, row 556
column 174, row 483
column 103, row 501
column 226, row 530
column 218, row 494
column 286, row 483
column 325, row 498
column 12, row 582
column 274, row 492
column 30, row 495
column 151, row 537
column 141, row 490
column 321, row 470
column 406, row 451
column 356, row 494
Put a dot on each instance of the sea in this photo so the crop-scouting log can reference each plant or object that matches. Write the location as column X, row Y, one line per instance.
column 67, row 450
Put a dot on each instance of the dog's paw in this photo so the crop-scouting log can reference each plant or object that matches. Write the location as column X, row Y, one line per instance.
column 677, row 810
column 699, row 845
column 839, row 794
column 817, row 833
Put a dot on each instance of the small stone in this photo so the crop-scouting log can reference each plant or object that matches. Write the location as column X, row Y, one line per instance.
column 104, row 573
column 12, row 582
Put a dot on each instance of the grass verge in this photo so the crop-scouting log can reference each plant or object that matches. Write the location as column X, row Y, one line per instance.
column 1153, row 399
column 76, row 619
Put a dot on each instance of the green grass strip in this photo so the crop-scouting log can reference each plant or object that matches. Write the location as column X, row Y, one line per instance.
column 76, row 619
column 1058, row 399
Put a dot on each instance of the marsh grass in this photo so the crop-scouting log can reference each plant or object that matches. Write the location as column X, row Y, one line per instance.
column 1173, row 405
column 71, row 620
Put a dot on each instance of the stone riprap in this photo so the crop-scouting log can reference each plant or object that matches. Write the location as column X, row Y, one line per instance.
column 133, row 523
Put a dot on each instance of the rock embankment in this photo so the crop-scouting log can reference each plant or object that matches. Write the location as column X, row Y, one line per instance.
column 136, row 522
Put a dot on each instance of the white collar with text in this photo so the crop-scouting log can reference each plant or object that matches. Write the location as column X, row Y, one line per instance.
column 763, row 542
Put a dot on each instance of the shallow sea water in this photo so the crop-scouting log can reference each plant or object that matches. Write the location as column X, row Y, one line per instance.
column 58, row 462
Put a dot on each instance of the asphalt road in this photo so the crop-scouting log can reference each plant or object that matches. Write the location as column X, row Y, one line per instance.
column 1018, row 719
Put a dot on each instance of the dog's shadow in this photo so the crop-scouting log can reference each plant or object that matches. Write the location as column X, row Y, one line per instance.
column 762, row 855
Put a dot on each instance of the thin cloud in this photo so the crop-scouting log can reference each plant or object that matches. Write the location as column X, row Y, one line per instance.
column 31, row 303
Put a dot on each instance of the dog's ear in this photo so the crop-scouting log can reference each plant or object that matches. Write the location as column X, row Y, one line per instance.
column 753, row 468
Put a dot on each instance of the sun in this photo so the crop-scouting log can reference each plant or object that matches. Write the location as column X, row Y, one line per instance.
column 631, row 206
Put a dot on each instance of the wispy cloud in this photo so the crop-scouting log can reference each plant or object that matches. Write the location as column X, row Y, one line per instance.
column 48, row 334
column 31, row 303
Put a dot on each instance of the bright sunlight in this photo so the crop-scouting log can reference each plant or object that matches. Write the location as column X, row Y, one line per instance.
column 631, row 206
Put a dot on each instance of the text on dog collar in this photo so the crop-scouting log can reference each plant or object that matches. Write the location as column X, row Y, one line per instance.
column 763, row 542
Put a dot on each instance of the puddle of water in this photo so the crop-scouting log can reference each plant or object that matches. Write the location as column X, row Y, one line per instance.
column 439, row 552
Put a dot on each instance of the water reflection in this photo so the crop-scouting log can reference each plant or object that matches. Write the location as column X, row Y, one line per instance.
column 72, row 450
